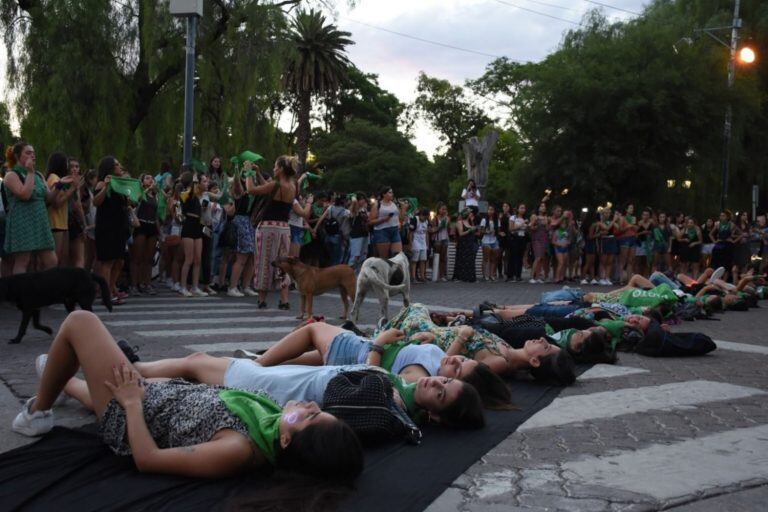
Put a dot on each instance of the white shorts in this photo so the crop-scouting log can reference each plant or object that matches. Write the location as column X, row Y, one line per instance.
column 418, row 255
column 707, row 248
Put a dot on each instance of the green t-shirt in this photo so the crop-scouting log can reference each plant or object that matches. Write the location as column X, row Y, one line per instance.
column 260, row 414
column 662, row 294
column 407, row 392
column 390, row 353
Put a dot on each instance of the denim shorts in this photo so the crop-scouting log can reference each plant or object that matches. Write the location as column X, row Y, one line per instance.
column 418, row 255
column 562, row 250
column 627, row 241
column 550, row 310
column 569, row 294
column 590, row 247
column 347, row 348
column 608, row 245
column 491, row 245
column 297, row 235
column 390, row 235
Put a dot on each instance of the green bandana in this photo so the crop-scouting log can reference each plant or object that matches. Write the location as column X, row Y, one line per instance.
column 562, row 338
column 260, row 414
column 162, row 206
column 128, row 187
column 407, row 392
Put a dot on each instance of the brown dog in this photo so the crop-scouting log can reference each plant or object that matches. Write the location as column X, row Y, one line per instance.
column 311, row 281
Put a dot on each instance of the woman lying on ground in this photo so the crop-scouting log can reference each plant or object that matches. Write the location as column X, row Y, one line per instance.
column 537, row 357
column 319, row 344
column 175, row 427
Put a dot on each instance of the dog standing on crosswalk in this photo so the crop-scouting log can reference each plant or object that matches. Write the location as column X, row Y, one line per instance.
column 384, row 278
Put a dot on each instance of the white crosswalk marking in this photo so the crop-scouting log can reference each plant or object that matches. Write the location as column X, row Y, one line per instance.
column 680, row 469
column 229, row 347
column 742, row 347
column 606, row 371
column 206, row 321
column 188, row 312
column 609, row 404
column 177, row 306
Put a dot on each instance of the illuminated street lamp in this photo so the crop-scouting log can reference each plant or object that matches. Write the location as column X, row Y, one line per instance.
column 687, row 184
column 746, row 55
column 670, row 183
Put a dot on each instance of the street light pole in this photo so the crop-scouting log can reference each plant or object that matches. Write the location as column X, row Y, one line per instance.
column 189, row 90
column 729, row 108
column 191, row 10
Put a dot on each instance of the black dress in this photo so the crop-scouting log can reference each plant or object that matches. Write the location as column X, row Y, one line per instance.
column 466, row 249
column 112, row 228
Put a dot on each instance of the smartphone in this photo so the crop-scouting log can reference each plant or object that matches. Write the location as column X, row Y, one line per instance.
column 391, row 214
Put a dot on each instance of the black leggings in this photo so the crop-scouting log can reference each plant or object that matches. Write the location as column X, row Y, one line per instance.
column 515, row 256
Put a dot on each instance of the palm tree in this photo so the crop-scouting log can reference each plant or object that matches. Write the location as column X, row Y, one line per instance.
column 317, row 67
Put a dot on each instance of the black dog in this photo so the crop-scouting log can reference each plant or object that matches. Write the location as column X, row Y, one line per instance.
column 34, row 290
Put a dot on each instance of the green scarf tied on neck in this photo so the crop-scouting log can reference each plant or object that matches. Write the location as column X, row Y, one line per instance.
column 260, row 414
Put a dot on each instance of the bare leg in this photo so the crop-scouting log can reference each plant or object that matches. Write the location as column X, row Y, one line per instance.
column 315, row 336
column 687, row 281
column 638, row 281
column 198, row 366
column 313, row 358
column 82, row 341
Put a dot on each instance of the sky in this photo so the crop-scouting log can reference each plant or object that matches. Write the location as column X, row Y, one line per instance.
column 491, row 27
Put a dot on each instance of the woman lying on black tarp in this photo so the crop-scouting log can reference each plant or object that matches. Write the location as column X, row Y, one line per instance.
column 186, row 429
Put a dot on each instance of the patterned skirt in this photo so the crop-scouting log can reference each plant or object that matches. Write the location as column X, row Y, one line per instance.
column 273, row 239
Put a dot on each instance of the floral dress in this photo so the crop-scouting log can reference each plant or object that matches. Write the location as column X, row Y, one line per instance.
column 27, row 227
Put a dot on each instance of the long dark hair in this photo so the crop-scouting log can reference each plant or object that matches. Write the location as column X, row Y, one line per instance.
column 559, row 368
column 106, row 166
column 466, row 411
column 57, row 164
column 327, row 450
column 493, row 391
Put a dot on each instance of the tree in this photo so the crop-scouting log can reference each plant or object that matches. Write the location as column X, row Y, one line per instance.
column 6, row 135
column 97, row 77
column 361, row 97
column 317, row 67
column 365, row 156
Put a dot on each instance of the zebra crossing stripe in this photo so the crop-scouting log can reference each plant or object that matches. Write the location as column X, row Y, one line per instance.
column 179, row 306
column 229, row 347
column 222, row 331
column 684, row 468
column 606, row 371
column 741, row 347
column 188, row 312
column 206, row 321
column 609, row 404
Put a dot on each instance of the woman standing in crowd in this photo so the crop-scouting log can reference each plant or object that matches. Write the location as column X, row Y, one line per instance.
column 297, row 223
column 707, row 242
column 191, row 234
column 561, row 242
column 27, row 231
column 662, row 237
column 607, row 246
column 724, row 233
column 466, row 247
column 540, row 244
column 272, row 233
column 471, row 196
column 246, row 238
column 216, row 173
column 76, row 215
column 440, row 228
column 506, row 214
column 358, row 231
column 385, row 219
column 627, row 243
column 518, row 240
column 742, row 253
column 58, row 206
column 690, row 250
column 144, row 238
column 489, row 227
column 112, row 228
column 589, row 229
column 419, row 246
column 644, row 247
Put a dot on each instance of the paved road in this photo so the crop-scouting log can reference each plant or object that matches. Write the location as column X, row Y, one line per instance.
column 645, row 434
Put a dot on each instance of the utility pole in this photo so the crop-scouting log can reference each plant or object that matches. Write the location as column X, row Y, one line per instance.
column 191, row 10
column 729, row 109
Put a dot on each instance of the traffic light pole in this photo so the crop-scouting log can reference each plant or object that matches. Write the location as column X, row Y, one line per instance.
column 189, row 90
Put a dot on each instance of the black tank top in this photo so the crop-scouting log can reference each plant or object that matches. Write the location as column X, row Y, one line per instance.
column 277, row 211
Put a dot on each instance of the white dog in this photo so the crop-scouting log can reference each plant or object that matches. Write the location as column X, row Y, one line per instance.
column 384, row 278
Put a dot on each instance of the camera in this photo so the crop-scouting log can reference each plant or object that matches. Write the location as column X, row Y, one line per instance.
column 205, row 203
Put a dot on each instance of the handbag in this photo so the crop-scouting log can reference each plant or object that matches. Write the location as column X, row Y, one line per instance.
column 364, row 400
column 228, row 236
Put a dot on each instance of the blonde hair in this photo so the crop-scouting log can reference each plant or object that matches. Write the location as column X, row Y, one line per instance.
column 288, row 164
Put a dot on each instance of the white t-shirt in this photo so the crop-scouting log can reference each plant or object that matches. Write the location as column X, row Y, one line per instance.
column 420, row 235
column 471, row 197
column 294, row 219
column 517, row 226
column 488, row 228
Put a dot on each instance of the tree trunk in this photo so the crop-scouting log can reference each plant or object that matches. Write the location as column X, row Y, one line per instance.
column 303, row 128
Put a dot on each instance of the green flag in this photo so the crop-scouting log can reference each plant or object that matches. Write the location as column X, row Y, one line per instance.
column 128, row 187
column 413, row 204
column 162, row 206
column 249, row 156
column 198, row 166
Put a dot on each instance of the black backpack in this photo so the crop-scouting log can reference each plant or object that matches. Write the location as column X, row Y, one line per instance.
column 331, row 226
column 678, row 344
column 365, row 401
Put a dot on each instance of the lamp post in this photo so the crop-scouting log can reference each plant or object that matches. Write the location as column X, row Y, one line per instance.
column 729, row 108
column 191, row 10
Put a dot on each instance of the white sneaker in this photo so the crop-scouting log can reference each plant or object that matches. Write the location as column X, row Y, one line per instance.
column 585, row 281
column 169, row 283
column 594, row 282
column 234, row 292
column 533, row 281
column 717, row 274
column 185, row 292
column 541, row 281
column 33, row 424
column 197, row 292
column 39, row 367
column 176, row 287
column 608, row 282
column 250, row 292
column 210, row 291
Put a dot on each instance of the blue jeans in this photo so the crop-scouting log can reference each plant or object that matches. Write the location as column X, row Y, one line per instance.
column 658, row 278
column 357, row 252
column 570, row 294
column 347, row 348
column 547, row 310
column 334, row 248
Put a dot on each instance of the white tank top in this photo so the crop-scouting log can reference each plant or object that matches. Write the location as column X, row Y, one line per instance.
column 384, row 211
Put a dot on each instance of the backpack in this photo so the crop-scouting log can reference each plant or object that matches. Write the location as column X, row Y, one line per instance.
column 331, row 226
column 365, row 401
column 678, row 344
column 3, row 201
column 690, row 311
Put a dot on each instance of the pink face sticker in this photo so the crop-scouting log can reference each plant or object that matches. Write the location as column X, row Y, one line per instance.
column 292, row 417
